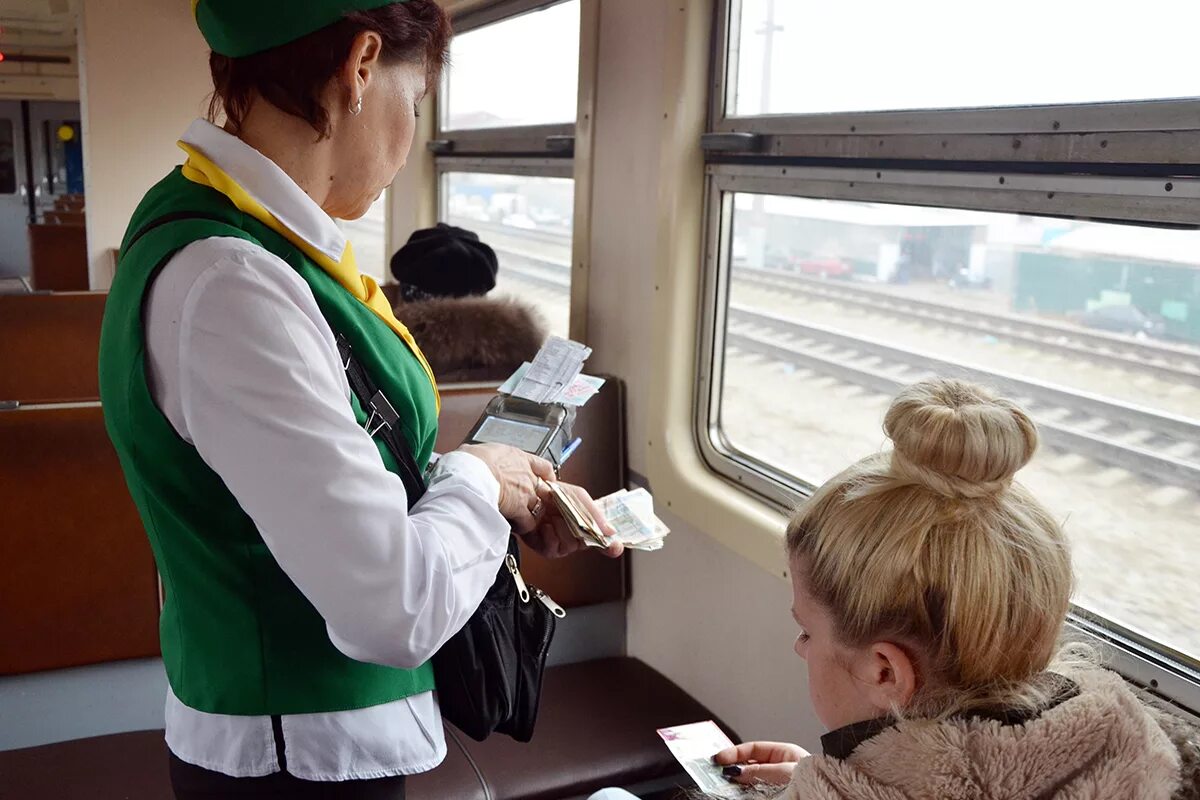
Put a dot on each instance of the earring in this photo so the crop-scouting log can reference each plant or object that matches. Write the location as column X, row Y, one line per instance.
column 356, row 109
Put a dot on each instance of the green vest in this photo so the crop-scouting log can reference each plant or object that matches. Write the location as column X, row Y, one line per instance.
column 237, row 636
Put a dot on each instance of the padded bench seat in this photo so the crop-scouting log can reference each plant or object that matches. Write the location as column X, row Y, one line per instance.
column 596, row 727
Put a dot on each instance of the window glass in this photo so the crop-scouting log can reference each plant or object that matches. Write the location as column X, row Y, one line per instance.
column 368, row 234
column 1094, row 328
column 527, row 221
column 498, row 74
column 8, row 158
column 808, row 57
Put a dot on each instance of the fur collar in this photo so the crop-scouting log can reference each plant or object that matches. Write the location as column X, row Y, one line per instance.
column 474, row 338
column 1101, row 744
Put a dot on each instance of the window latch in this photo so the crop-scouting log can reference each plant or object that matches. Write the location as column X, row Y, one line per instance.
column 564, row 145
column 732, row 142
column 440, row 146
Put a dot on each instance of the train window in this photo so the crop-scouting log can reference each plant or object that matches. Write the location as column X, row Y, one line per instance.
column 505, row 155
column 493, row 67
column 527, row 220
column 1095, row 327
column 8, row 156
column 860, row 235
column 368, row 234
column 929, row 54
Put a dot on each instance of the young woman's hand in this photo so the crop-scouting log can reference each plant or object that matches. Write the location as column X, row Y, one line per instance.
column 522, row 477
column 760, row 762
column 553, row 538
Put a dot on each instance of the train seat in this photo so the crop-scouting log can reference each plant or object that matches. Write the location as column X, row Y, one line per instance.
column 596, row 727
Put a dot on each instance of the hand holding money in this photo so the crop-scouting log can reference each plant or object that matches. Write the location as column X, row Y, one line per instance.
column 559, row 511
column 630, row 519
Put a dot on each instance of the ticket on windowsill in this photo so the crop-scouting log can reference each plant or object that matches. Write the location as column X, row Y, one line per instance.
column 552, row 370
column 580, row 390
column 693, row 747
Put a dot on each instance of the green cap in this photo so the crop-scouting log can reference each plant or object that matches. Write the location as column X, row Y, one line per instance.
column 238, row 28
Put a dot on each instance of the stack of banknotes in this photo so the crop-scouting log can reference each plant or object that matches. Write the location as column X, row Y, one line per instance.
column 630, row 513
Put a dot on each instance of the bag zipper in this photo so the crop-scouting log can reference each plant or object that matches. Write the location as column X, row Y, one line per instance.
column 549, row 603
column 522, row 589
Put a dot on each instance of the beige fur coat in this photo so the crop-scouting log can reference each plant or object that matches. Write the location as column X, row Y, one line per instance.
column 1102, row 744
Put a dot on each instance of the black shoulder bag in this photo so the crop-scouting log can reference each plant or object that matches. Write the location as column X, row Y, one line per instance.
column 489, row 675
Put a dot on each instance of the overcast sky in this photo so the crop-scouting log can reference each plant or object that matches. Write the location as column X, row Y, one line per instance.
column 524, row 71
column 847, row 55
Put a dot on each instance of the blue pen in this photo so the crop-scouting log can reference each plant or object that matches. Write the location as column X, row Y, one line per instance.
column 569, row 450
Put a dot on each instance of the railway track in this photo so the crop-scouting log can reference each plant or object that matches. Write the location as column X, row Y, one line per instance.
column 538, row 271
column 1160, row 446
column 1164, row 361
column 1164, row 447
column 499, row 229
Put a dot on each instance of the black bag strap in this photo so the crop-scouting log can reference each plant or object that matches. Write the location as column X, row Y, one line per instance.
column 382, row 421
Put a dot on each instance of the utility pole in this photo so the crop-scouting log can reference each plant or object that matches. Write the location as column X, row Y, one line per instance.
column 768, row 32
column 757, row 249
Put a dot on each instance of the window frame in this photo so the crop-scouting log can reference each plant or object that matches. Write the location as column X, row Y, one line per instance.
column 561, row 150
column 1135, row 200
column 1112, row 162
column 553, row 140
column 532, row 167
column 1108, row 134
column 1154, row 665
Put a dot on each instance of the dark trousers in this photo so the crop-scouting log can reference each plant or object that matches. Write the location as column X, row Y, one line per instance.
column 196, row 783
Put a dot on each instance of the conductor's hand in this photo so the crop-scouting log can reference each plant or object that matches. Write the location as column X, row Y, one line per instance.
column 553, row 538
column 761, row 762
column 522, row 478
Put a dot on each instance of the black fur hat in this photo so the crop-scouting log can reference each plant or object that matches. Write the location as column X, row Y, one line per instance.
column 444, row 262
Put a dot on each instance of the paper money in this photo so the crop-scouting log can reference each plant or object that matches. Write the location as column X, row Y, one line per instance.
column 583, row 526
column 693, row 747
column 631, row 515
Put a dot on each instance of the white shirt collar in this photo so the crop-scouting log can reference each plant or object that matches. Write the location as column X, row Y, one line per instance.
column 268, row 184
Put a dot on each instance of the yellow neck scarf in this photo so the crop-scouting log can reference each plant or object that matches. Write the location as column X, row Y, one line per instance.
column 200, row 169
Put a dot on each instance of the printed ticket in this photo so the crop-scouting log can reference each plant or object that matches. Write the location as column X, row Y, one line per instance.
column 693, row 747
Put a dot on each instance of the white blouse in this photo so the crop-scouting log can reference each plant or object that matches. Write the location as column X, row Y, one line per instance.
column 245, row 368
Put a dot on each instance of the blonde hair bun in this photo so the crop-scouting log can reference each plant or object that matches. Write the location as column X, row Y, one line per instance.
column 958, row 439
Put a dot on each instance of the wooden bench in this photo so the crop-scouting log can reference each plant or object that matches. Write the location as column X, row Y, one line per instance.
column 77, row 580
column 49, row 345
column 58, row 254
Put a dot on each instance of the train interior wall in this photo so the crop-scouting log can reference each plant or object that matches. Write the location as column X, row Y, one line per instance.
column 708, row 618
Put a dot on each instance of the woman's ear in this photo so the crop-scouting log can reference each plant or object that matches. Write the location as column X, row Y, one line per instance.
column 364, row 58
column 890, row 675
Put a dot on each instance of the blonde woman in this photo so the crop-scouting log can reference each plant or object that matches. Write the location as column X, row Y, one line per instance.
column 930, row 591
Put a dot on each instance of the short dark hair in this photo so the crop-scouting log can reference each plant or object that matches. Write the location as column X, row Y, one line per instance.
column 293, row 76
